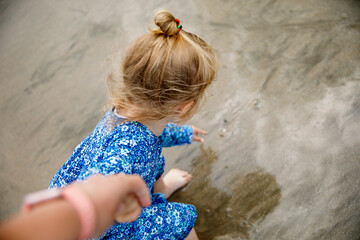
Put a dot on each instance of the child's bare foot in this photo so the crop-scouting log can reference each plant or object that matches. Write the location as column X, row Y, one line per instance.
column 172, row 181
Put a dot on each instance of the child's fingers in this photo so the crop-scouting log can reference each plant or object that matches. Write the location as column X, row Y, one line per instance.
column 202, row 131
column 197, row 138
column 199, row 130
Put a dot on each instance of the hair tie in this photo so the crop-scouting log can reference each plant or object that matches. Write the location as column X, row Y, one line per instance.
column 179, row 26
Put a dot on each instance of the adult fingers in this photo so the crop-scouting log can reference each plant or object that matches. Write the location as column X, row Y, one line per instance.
column 129, row 211
column 122, row 184
column 138, row 187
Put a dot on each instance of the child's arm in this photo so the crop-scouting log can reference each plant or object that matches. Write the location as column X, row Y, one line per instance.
column 174, row 134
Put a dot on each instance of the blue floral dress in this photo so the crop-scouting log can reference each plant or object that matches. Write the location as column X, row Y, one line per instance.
column 117, row 146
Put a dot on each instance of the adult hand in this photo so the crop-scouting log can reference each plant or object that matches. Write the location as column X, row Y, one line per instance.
column 117, row 196
column 196, row 132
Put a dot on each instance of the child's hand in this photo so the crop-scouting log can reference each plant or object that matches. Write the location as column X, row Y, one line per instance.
column 196, row 132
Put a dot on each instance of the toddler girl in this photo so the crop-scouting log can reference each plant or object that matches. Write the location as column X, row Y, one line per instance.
column 163, row 78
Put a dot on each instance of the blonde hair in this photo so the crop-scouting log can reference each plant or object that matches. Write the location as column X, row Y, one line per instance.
column 162, row 70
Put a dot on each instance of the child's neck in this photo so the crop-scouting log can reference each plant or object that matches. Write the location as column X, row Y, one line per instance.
column 157, row 126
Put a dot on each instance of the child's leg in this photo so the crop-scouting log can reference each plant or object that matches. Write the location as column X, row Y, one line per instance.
column 192, row 235
column 172, row 181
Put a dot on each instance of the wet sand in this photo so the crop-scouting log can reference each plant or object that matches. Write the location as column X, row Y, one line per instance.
column 282, row 158
column 249, row 199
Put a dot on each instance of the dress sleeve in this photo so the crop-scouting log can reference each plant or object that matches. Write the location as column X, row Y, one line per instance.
column 174, row 134
column 69, row 171
column 114, row 162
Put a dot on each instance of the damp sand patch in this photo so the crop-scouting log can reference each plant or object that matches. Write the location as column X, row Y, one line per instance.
column 228, row 216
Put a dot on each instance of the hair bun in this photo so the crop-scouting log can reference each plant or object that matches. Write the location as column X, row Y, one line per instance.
column 166, row 22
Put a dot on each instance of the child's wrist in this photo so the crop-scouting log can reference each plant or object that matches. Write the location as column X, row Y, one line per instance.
column 190, row 132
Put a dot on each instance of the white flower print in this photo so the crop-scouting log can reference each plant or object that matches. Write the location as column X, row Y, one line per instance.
column 159, row 220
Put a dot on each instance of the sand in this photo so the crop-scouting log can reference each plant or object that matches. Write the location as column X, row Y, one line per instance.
column 282, row 158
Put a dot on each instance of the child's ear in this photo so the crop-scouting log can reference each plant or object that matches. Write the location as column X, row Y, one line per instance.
column 186, row 106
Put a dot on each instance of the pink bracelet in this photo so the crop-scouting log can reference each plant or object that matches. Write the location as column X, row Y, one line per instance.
column 32, row 199
column 85, row 209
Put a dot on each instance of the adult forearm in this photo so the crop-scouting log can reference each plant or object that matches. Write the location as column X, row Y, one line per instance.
column 57, row 219
column 84, row 209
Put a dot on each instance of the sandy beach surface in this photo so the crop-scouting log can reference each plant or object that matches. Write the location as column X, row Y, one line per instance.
column 282, row 157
